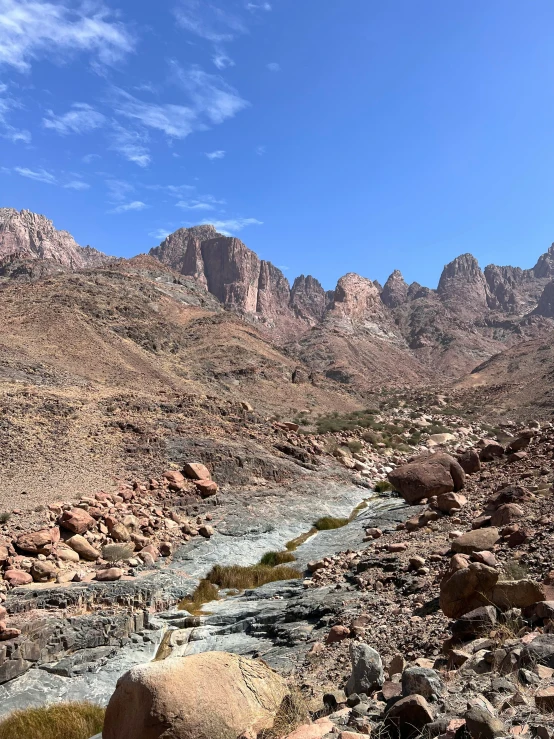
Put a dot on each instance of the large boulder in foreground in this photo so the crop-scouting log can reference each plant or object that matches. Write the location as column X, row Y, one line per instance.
column 198, row 697
column 427, row 477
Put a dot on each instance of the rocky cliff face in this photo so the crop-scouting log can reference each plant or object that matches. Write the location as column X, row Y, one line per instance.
column 545, row 305
column 27, row 235
column 395, row 290
column 463, row 285
column 308, row 299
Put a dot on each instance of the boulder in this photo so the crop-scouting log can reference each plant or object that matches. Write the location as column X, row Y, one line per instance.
column 66, row 554
column 517, row 594
column 206, row 488
column 120, row 533
column 508, row 494
column 427, row 477
column 77, row 521
column 491, row 451
column 476, row 541
column 176, row 480
column 475, row 623
column 437, row 439
column 422, row 681
column 465, row 588
column 337, row 633
column 85, row 550
column 367, row 669
column 43, row 571
column 317, row 730
column 540, row 651
column 197, row 697
column 197, row 471
column 17, row 577
column 109, row 575
column 409, row 716
column 35, row 542
column 506, row 514
column 448, row 502
column 544, row 700
column 469, row 461
column 482, row 724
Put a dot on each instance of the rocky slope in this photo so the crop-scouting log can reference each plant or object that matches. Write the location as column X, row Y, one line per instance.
column 27, row 235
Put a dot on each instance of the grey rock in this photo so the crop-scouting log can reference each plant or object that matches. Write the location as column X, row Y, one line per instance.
column 367, row 669
column 422, row 681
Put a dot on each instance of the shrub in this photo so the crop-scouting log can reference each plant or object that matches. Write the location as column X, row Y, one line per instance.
column 205, row 592
column 272, row 559
column 5, row 517
column 60, row 721
column 292, row 713
column 329, row 522
column 117, row 552
column 382, row 486
column 355, row 446
column 240, row 578
column 514, row 570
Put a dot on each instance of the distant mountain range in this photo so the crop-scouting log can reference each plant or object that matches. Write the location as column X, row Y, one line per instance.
column 361, row 334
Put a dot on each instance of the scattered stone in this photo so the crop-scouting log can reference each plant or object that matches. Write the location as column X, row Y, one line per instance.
column 109, row 575
column 367, row 669
column 409, row 714
column 197, row 471
column 85, row 550
column 476, row 541
column 77, row 521
column 422, row 681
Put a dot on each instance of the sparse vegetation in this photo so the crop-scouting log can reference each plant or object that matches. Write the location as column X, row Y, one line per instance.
column 60, row 721
column 5, row 517
column 117, row 552
column 293, row 544
column 240, row 578
column 326, row 523
column 514, row 570
column 273, row 559
column 355, row 446
column 382, row 486
column 204, row 593
column 292, row 713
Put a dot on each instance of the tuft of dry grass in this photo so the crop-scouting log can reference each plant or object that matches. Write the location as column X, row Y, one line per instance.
column 326, row 523
column 117, row 552
column 60, row 721
column 204, row 593
column 272, row 559
column 240, row 578
column 292, row 713
column 514, row 570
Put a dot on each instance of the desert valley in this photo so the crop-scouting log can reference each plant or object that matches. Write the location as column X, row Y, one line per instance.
column 232, row 506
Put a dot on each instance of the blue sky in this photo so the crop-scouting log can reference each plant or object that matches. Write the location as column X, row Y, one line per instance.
column 329, row 135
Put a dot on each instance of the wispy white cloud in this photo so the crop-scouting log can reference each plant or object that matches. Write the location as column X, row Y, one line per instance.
column 40, row 175
column 89, row 158
column 159, row 233
column 82, row 118
column 283, row 267
column 118, row 190
column 77, row 185
column 211, row 101
column 261, row 150
column 132, row 206
column 32, row 29
column 208, row 21
column 130, row 144
column 219, row 154
column 233, row 225
column 7, row 130
column 274, row 67
column 221, row 59
column 200, row 202
column 259, row 6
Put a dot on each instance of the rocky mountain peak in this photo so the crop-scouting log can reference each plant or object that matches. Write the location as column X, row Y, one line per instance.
column 29, row 235
column 308, row 299
column 463, row 283
column 395, row 290
column 544, row 268
column 356, row 298
column 545, row 305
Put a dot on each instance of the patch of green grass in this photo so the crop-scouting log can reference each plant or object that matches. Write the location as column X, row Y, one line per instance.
column 293, row 544
column 383, row 486
column 60, row 721
column 272, row 559
column 240, row 578
column 204, row 593
column 326, row 523
column 438, row 429
column 355, row 446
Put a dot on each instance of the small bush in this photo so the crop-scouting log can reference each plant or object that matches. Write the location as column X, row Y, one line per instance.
column 327, row 523
column 355, row 446
column 272, row 559
column 204, row 593
column 382, row 486
column 5, row 517
column 117, row 552
column 60, row 721
column 514, row 570
column 293, row 712
column 240, row 578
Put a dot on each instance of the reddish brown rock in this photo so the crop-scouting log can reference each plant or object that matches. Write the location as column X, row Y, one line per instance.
column 409, row 714
column 469, row 461
column 84, row 549
column 36, row 542
column 449, row 502
column 17, row 577
column 491, row 451
column 506, row 514
column 77, row 521
column 206, row 488
column 337, row 633
column 197, row 471
column 544, row 700
column 425, row 477
column 43, row 571
column 476, row 541
column 109, row 575
column 465, row 588
column 9, row 633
